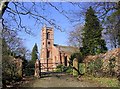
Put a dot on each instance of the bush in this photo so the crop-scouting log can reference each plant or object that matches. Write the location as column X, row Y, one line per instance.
column 62, row 68
column 10, row 71
column 82, row 68
column 90, row 68
column 111, row 66
column 98, row 67
column 59, row 68
column 95, row 67
column 29, row 69
column 69, row 70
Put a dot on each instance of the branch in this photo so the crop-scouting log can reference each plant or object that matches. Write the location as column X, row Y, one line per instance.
column 3, row 6
column 62, row 12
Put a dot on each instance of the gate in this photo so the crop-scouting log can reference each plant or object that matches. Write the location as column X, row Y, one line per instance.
column 48, row 67
column 45, row 68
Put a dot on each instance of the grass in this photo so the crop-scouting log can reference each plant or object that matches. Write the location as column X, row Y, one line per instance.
column 107, row 82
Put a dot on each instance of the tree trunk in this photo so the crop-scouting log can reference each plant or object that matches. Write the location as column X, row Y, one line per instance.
column 3, row 7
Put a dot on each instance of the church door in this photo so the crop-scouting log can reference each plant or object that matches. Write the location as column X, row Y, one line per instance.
column 65, row 60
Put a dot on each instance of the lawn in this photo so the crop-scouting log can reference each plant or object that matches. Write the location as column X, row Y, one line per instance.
column 107, row 82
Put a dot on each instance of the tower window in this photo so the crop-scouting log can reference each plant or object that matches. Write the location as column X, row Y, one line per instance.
column 49, row 43
column 48, row 54
column 43, row 43
column 48, row 35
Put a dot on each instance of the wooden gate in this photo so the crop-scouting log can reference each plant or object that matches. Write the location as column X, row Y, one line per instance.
column 48, row 67
column 44, row 68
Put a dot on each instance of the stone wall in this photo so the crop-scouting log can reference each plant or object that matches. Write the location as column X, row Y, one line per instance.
column 106, row 57
column 18, row 63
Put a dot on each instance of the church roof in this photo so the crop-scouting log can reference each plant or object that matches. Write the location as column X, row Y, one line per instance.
column 67, row 49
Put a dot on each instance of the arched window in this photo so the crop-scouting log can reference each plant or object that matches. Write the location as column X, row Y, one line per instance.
column 48, row 35
column 48, row 54
column 65, row 60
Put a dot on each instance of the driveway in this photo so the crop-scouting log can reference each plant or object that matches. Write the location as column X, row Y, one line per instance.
column 60, row 80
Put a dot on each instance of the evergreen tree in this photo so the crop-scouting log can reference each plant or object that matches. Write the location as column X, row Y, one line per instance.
column 92, row 36
column 34, row 53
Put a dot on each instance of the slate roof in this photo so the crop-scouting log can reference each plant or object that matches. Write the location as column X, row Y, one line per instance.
column 67, row 49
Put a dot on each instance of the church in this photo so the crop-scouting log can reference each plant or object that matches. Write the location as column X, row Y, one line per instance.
column 51, row 54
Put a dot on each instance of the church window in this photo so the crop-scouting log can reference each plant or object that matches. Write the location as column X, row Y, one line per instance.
column 65, row 60
column 48, row 35
column 48, row 54
column 49, row 43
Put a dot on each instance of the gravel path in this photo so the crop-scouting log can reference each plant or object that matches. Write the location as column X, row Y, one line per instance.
column 60, row 80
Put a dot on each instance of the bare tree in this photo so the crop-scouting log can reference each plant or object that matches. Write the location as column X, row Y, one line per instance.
column 15, row 11
column 113, row 29
column 35, row 10
column 103, row 9
column 14, row 43
column 75, row 36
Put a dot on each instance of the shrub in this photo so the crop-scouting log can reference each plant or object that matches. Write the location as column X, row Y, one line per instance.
column 10, row 71
column 29, row 69
column 98, row 67
column 69, row 70
column 111, row 66
column 95, row 67
column 90, row 68
column 62, row 68
column 82, row 68
column 59, row 68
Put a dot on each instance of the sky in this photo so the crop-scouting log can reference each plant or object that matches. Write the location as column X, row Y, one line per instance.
column 60, row 37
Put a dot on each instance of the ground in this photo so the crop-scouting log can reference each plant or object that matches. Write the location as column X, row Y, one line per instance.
column 60, row 80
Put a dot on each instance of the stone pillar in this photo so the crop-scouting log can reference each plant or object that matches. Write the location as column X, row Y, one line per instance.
column 75, row 67
column 19, row 70
column 37, row 69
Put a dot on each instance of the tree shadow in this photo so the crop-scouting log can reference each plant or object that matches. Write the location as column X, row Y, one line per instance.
column 51, row 74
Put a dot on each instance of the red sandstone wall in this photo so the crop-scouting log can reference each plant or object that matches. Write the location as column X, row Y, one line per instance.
column 115, row 53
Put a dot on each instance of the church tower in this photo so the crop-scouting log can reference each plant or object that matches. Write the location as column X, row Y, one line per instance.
column 51, row 54
column 47, row 42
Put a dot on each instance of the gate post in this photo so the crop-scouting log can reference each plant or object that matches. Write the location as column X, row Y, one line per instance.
column 37, row 69
column 75, row 67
